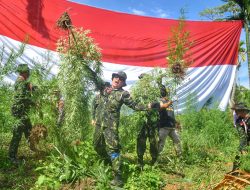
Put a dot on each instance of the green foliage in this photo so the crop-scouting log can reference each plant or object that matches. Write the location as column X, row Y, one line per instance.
column 146, row 89
column 178, row 56
column 211, row 131
column 10, row 64
column 61, row 168
column 44, row 95
column 242, row 94
column 102, row 176
column 79, row 69
column 6, row 119
column 220, row 12
column 245, row 161
column 149, row 178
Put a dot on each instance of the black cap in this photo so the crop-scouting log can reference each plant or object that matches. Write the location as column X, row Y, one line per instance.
column 240, row 106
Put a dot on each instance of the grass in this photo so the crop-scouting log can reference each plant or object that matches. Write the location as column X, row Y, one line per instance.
column 201, row 168
column 20, row 177
column 203, row 175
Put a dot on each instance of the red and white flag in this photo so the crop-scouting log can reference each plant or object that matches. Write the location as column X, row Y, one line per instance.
column 130, row 43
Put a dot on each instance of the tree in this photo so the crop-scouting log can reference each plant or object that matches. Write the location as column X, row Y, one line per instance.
column 233, row 10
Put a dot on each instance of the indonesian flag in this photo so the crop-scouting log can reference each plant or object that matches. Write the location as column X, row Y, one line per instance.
column 130, row 43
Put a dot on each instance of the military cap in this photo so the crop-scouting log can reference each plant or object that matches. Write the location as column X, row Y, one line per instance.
column 23, row 68
column 122, row 75
column 240, row 106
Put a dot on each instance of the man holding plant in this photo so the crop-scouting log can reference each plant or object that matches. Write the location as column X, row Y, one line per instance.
column 20, row 108
column 117, row 97
column 167, row 122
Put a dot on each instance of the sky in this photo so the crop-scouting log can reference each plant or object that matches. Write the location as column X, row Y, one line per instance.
column 169, row 9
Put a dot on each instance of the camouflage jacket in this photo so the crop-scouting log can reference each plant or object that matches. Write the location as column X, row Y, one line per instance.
column 244, row 124
column 22, row 98
column 115, row 100
column 98, row 106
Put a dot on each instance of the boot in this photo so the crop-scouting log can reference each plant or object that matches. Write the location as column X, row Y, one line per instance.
column 140, row 163
column 153, row 161
column 117, row 181
column 14, row 161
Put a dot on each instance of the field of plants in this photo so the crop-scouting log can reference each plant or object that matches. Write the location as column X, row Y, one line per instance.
column 66, row 159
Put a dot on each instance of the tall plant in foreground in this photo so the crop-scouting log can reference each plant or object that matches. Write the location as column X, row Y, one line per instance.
column 178, row 45
column 80, row 69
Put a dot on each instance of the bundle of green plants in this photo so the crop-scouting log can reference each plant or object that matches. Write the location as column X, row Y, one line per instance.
column 61, row 169
column 150, row 178
column 79, row 70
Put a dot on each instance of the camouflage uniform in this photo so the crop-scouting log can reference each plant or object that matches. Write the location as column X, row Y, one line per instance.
column 20, row 109
column 148, row 130
column 97, row 115
column 116, row 99
column 243, row 128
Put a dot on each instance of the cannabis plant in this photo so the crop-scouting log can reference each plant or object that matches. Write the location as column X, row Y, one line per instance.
column 79, row 74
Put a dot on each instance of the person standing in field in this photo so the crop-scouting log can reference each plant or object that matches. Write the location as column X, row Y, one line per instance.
column 111, row 118
column 167, row 122
column 20, row 109
column 148, row 131
column 243, row 127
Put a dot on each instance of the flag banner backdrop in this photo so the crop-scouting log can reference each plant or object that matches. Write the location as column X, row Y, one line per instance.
column 130, row 43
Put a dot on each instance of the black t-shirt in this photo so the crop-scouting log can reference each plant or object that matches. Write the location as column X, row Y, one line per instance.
column 167, row 118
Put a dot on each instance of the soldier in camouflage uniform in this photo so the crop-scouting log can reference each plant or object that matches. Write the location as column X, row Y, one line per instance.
column 20, row 108
column 243, row 128
column 116, row 99
column 148, row 130
column 97, row 120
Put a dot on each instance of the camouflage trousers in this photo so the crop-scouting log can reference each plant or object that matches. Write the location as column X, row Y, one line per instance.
column 244, row 138
column 100, row 145
column 150, row 132
column 106, row 144
column 23, row 126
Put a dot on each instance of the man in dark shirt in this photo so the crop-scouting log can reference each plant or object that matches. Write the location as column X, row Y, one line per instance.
column 167, row 122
